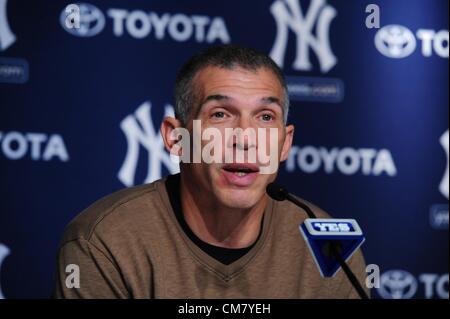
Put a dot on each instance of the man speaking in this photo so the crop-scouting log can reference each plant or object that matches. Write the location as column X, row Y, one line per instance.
column 210, row 231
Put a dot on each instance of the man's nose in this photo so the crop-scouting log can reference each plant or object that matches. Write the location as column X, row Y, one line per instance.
column 246, row 134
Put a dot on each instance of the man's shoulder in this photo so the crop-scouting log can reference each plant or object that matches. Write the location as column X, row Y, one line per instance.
column 116, row 208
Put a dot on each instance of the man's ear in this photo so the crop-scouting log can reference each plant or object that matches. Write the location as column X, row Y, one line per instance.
column 170, row 138
column 287, row 142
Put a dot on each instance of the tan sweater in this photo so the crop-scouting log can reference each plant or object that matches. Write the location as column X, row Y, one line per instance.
column 130, row 245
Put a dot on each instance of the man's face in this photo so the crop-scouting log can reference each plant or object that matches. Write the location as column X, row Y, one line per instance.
column 230, row 99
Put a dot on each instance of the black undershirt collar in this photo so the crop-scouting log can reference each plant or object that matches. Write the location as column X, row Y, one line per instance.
column 224, row 255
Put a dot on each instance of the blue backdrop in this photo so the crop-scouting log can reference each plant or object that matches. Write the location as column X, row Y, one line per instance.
column 80, row 107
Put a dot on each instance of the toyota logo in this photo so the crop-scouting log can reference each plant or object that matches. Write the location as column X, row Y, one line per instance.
column 395, row 41
column 91, row 20
column 397, row 284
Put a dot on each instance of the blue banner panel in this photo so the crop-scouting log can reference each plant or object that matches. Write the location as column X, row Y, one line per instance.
column 83, row 89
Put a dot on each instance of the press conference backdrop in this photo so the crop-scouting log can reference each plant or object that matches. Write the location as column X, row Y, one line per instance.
column 80, row 108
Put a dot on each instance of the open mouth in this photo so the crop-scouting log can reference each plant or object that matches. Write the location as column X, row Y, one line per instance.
column 241, row 169
column 240, row 175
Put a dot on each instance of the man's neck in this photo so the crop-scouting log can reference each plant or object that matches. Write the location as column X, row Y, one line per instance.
column 219, row 225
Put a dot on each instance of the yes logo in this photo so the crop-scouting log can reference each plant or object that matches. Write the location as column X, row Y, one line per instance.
column 332, row 227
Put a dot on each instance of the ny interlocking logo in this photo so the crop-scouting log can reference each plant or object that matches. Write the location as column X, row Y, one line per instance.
column 443, row 187
column 7, row 38
column 140, row 132
column 4, row 252
column 289, row 15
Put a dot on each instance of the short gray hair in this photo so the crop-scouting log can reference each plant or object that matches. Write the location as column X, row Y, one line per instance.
column 227, row 57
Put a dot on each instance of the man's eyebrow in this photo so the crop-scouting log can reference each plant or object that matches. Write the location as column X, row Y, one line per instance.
column 213, row 97
column 220, row 98
column 224, row 98
column 271, row 100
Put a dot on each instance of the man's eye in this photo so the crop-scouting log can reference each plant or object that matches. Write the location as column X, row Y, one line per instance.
column 218, row 115
column 267, row 117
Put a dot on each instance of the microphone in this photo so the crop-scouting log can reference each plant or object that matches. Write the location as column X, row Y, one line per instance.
column 331, row 241
column 280, row 193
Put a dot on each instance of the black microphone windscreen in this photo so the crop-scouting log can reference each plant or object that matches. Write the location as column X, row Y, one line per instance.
column 276, row 191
